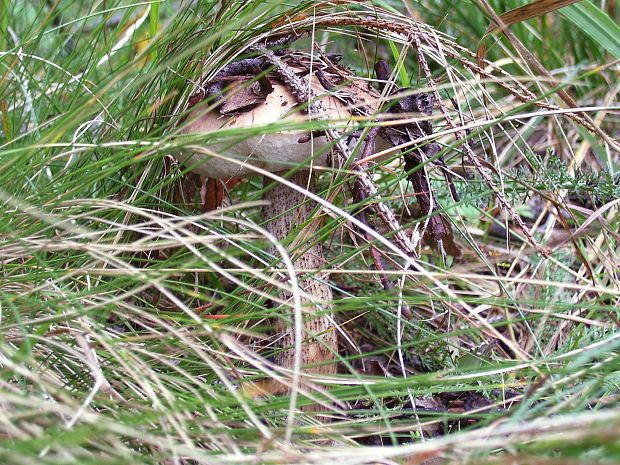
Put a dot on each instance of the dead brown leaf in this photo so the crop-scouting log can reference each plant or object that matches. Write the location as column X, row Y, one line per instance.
column 520, row 14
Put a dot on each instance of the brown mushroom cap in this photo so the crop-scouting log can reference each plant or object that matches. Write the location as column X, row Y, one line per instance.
column 274, row 151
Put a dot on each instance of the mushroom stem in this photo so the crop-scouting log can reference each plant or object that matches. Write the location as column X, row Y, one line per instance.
column 288, row 208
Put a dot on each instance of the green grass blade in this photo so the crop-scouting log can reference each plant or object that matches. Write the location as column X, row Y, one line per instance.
column 153, row 26
column 596, row 24
column 402, row 72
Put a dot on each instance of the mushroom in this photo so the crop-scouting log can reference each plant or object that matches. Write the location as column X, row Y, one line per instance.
column 286, row 207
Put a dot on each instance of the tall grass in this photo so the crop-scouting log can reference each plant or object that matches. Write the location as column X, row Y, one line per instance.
column 132, row 324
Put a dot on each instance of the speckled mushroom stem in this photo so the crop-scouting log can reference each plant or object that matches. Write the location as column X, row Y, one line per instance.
column 288, row 209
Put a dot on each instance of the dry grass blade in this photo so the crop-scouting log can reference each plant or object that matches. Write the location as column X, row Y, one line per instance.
column 539, row 68
column 525, row 12
column 518, row 15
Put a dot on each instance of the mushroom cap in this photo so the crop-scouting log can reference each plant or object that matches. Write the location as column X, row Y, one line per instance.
column 276, row 151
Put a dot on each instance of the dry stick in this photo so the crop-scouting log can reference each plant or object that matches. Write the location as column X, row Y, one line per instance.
column 299, row 89
column 460, row 135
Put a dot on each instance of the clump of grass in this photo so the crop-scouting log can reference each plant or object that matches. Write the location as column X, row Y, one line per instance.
column 130, row 321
